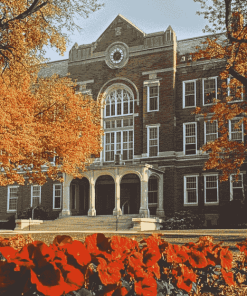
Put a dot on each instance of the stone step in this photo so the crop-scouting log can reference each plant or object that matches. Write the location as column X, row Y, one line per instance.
column 97, row 223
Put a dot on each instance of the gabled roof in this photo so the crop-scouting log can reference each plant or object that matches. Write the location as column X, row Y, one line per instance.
column 125, row 20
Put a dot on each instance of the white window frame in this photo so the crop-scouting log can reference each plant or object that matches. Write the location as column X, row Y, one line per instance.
column 188, row 81
column 205, row 130
column 32, row 194
column 148, row 138
column 203, row 81
column 230, row 128
column 229, row 92
column 53, row 206
column 115, row 143
column 148, row 97
column 205, row 189
column 185, row 190
column 231, row 184
column 184, row 132
column 130, row 101
column 8, row 198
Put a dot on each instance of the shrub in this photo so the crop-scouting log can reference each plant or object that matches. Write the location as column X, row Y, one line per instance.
column 233, row 215
column 40, row 213
column 184, row 220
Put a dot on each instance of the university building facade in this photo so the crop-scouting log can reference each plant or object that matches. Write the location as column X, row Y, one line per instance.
column 151, row 163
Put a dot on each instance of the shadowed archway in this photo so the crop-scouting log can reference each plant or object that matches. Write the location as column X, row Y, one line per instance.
column 105, row 195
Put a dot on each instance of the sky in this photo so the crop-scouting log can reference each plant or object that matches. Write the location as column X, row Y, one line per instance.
column 148, row 15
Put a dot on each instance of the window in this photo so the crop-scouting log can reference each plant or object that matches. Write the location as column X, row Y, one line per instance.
column 119, row 102
column 12, row 198
column 210, row 131
column 190, row 136
column 236, row 187
column 152, row 190
column 190, row 190
column 57, row 195
column 119, row 142
column 211, row 189
column 153, row 98
column 189, row 94
column 153, row 140
column 35, row 195
column 209, row 90
column 236, row 134
column 236, row 92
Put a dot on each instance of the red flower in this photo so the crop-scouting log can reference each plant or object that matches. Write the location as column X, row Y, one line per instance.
column 122, row 246
column 155, row 270
column 226, row 258
column 146, row 286
column 61, row 240
column 98, row 244
column 109, row 273
column 177, row 254
column 197, row 259
column 241, row 246
column 228, row 277
column 50, row 281
column 78, row 251
column 184, row 284
column 8, row 253
column 73, row 277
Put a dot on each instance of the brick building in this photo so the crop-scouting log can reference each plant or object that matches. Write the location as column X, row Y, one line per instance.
column 151, row 163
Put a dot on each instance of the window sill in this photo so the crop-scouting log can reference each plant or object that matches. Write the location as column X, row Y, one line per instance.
column 191, row 205
column 211, row 204
column 149, row 111
column 189, row 107
column 57, row 209
column 11, row 211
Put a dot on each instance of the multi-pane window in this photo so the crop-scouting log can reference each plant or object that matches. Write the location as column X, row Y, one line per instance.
column 152, row 190
column 111, row 124
column 119, row 142
column 57, row 195
column 211, row 131
column 236, row 133
column 35, row 195
column 190, row 136
column 209, row 90
column 189, row 94
column 236, row 92
column 236, row 187
column 12, row 198
column 119, row 102
column 211, row 188
column 153, row 140
column 190, row 190
column 153, row 98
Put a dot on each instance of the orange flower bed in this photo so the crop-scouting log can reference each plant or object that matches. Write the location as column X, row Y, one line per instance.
column 118, row 266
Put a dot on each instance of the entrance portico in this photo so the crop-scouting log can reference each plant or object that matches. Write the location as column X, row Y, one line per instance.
column 143, row 171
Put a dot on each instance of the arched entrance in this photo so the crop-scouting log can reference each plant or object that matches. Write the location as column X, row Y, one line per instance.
column 130, row 194
column 79, row 196
column 105, row 195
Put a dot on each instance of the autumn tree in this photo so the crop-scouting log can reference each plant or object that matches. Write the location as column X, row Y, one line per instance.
column 42, row 119
column 227, row 17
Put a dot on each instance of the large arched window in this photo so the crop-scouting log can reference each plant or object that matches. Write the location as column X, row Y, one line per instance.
column 119, row 102
column 118, row 123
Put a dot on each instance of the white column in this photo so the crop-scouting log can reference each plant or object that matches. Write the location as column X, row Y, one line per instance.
column 144, row 194
column 66, row 195
column 160, row 210
column 117, row 210
column 92, row 210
